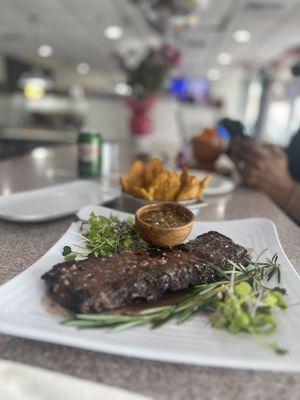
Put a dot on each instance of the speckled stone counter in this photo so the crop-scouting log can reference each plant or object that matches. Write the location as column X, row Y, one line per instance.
column 22, row 244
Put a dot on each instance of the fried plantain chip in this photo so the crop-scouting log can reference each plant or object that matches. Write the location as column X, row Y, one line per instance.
column 136, row 174
column 193, row 189
column 166, row 186
column 203, row 184
column 189, row 192
column 151, row 182
column 139, row 192
column 124, row 183
column 184, row 176
column 152, row 169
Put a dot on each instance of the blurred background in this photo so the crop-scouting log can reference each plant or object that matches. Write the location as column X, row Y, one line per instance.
column 153, row 72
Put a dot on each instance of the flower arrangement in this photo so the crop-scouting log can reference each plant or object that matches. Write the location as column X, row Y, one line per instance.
column 147, row 67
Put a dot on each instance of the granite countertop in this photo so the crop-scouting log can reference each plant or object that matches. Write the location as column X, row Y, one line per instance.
column 22, row 244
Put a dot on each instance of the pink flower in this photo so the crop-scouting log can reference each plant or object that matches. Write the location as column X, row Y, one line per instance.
column 173, row 55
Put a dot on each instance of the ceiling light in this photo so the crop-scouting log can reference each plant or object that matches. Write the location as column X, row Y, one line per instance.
column 123, row 89
column 32, row 92
column 34, row 84
column 113, row 32
column 83, row 68
column 213, row 74
column 39, row 153
column 224, row 58
column 242, row 36
column 45, row 51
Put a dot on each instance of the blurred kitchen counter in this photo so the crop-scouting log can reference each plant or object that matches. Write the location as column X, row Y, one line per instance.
column 16, row 141
column 23, row 244
column 38, row 135
column 44, row 166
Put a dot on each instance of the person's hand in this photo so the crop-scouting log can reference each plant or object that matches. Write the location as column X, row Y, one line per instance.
column 263, row 166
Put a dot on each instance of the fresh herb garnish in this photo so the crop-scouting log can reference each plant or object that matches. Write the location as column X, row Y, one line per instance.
column 240, row 302
column 105, row 236
column 66, row 251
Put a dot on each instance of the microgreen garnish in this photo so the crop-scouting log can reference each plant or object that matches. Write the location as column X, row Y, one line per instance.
column 105, row 236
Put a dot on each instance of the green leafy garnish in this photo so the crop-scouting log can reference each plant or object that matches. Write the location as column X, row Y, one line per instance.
column 66, row 251
column 105, row 236
column 244, row 309
column 239, row 302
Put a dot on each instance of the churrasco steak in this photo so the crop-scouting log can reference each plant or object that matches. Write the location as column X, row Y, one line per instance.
column 106, row 283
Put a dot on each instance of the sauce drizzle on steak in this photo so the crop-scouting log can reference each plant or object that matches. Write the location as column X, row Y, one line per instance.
column 142, row 275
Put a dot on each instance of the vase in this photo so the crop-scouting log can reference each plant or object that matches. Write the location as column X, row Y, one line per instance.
column 140, row 121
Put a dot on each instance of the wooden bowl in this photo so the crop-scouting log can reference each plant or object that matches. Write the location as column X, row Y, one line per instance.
column 161, row 236
column 207, row 150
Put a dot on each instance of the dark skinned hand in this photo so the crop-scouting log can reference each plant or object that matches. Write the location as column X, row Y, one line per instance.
column 263, row 166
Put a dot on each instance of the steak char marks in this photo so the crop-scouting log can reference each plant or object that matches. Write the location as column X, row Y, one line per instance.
column 105, row 283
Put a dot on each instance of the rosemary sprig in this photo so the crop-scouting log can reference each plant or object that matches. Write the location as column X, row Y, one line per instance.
column 238, row 302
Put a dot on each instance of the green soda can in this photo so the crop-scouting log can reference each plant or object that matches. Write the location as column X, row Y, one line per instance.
column 89, row 154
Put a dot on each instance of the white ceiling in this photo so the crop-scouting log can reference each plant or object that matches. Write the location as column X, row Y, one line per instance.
column 74, row 28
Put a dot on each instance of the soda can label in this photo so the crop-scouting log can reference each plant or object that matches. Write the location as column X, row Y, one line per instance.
column 89, row 152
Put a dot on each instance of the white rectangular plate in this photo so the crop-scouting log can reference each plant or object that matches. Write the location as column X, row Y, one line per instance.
column 54, row 201
column 19, row 381
column 194, row 342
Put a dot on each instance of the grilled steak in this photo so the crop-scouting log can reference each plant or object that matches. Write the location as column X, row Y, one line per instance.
column 105, row 283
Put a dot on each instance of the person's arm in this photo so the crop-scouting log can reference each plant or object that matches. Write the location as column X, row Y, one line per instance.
column 265, row 167
column 292, row 206
column 293, row 153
